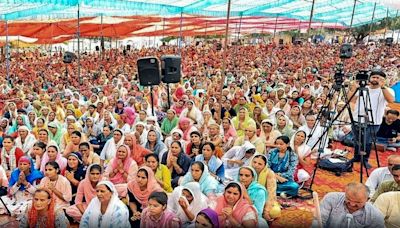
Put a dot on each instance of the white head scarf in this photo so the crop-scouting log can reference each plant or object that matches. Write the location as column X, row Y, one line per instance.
column 116, row 215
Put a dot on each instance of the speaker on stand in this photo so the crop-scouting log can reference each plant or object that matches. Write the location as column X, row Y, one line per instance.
column 149, row 74
column 170, row 71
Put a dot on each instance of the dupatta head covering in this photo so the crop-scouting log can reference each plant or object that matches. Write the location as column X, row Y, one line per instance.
column 207, row 182
column 88, row 190
column 241, row 207
column 254, row 186
column 137, row 151
column 211, row 215
column 152, row 186
column 262, row 177
column 93, row 211
column 130, row 115
column 185, row 120
column 118, row 178
column 51, row 216
column 31, row 178
column 198, row 203
column 62, row 162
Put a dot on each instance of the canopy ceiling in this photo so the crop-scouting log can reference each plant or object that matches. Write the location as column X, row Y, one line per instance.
column 55, row 21
column 333, row 11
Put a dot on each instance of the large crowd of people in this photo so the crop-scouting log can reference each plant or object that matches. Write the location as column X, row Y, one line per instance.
column 98, row 149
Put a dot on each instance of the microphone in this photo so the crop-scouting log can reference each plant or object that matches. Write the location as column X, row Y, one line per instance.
column 349, row 219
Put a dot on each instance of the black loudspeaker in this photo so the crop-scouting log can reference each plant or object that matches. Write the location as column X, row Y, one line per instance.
column 346, row 51
column 149, row 71
column 68, row 57
column 171, row 68
column 97, row 48
column 389, row 41
column 128, row 47
column 281, row 41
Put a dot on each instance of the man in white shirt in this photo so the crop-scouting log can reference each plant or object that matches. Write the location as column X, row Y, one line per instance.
column 382, row 174
column 380, row 96
column 312, row 140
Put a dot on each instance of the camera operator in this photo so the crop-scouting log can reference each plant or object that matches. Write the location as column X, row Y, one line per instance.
column 380, row 96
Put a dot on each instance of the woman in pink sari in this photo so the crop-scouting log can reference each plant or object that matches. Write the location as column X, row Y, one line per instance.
column 138, row 152
column 86, row 191
column 53, row 154
column 187, row 127
column 139, row 190
column 229, row 134
column 233, row 209
column 122, row 169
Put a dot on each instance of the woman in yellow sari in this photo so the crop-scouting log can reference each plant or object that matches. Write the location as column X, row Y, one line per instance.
column 242, row 121
column 66, row 138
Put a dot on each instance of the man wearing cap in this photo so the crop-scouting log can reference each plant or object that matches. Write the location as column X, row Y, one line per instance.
column 380, row 96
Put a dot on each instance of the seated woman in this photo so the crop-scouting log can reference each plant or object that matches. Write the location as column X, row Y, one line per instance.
column 101, row 139
column 89, row 157
column 229, row 134
column 215, row 165
column 250, row 134
column 138, row 152
column 110, row 148
column 73, row 145
column 43, row 136
column 207, row 218
column 106, row 209
column 257, row 194
column 139, row 190
column 3, row 182
column 53, row 154
column 242, row 121
column 25, row 139
column 303, row 151
column 199, row 173
column 38, row 150
column 86, row 192
column 43, row 212
column 237, row 157
column 284, row 126
column 156, row 214
column 233, row 209
column 193, row 148
column 186, row 201
column 161, row 172
column 10, row 154
column 268, row 134
column 57, row 184
column 177, row 162
column 121, row 169
column 283, row 161
column 266, row 177
column 23, row 181
column 154, row 143
column 75, row 172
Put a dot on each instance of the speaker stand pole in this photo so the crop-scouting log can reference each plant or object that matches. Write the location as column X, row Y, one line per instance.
column 152, row 102
column 169, row 101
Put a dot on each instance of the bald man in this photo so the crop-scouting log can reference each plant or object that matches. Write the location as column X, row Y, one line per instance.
column 350, row 209
column 382, row 174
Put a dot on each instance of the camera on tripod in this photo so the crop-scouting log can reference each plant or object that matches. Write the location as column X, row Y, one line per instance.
column 362, row 75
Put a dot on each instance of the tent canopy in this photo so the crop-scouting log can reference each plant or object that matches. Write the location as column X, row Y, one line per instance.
column 328, row 11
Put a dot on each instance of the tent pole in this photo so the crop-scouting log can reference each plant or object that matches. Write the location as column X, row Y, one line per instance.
column 352, row 14
column 101, row 37
column 180, row 35
column 240, row 26
column 163, row 28
column 372, row 21
column 7, row 54
column 276, row 23
column 311, row 17
column 225, row 55
column 397, row 12
column 386, row 24
column 79, row 49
